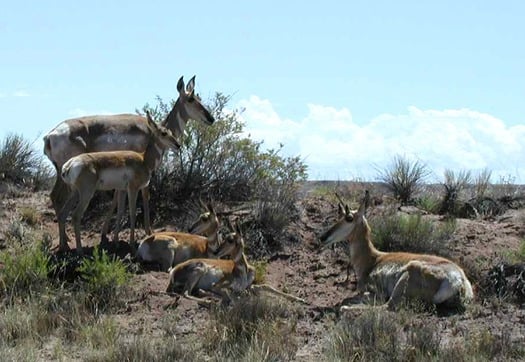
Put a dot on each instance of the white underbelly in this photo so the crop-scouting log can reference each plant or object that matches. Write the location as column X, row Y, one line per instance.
column 210, row 278
column 118, row 179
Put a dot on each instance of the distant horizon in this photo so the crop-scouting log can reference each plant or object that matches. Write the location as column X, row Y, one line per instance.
column 344, row 85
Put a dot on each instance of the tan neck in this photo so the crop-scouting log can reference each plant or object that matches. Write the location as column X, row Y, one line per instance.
column 363, row 254
column 152, row 155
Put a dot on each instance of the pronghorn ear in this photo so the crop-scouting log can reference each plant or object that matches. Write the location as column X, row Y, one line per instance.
column 148, row 116
column 191, row 85
column 364, row 204
column 180, row 85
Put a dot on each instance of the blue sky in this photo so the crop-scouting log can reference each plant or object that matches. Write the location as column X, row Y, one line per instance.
column 345, row 84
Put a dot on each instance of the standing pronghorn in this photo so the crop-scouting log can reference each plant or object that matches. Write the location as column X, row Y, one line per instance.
column 170, row 248
column 113, row 170
column 219, row 277
column 398, row 275
column 112, row 133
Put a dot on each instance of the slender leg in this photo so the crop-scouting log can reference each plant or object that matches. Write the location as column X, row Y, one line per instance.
column 399, row 291
column 132, row 197
column 120, row 213
column 145, row 203
column 60, row 195
column 85, row 197
column 62, row 218
column 105, row 227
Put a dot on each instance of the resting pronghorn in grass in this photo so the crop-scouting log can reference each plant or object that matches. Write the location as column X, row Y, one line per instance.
column 170, row 248
column 113, row 170
column 395, row 276
column 217, row 277
column 112, row 133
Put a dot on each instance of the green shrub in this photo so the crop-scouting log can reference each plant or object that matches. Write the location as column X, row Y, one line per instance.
column 25, row 270
column 413, row 233
column 220, row 163
column 104, row 279
column 404, row 178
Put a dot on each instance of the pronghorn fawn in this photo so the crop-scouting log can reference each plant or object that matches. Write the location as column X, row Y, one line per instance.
column 113, row 170
column 218, row 277
column 113, row 133
column 170, row 248
column 398, row 276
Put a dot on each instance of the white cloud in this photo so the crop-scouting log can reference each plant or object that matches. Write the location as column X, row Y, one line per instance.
column 336, row 147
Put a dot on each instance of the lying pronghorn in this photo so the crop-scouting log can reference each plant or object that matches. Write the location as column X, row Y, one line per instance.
column 170, row 248
column 219, row 277
column 112, row 133
column 394, row 276
column 114, row 170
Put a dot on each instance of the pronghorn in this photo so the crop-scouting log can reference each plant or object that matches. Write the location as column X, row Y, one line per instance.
column 170, row 248
column 113, row 170
column 113, row 133
column 397, row 275
column 218, row 277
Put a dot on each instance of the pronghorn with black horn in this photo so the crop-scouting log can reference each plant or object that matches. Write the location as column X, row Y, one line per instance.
column 397, row 276
column 113, row 170
column 112, row 133
column 218, row 277
column 170, row 248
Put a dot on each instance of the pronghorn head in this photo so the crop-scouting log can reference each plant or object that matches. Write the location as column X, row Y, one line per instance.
column 233, row 243
column 161, row 135
column 191, row 104
column 350, row 222
column 208, row 222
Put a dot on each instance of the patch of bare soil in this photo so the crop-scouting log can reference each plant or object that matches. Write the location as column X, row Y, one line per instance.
column 318, row 276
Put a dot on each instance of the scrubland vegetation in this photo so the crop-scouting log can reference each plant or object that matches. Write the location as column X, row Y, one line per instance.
column 66, row 308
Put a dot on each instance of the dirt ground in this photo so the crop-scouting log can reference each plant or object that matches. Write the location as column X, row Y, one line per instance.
column 302, row 269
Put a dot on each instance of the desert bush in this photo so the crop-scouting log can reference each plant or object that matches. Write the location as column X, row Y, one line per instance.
column 25, row 270
column 429, row 203
column 404, row 178
column 104, row 279
column 146, row 348
column 454, row 185
column 220, row 163
column 29, row 215
column 372, row 336
column 21, row 164
column 252, row 328
column 482, row 183
column 399, row 232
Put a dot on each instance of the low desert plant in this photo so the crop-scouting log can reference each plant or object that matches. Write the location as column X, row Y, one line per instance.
column 21, row 164
column 413, row 233
column 252, row 328
column 404, row 178
column 104, row 279
column 454, row 185
column 25, row 270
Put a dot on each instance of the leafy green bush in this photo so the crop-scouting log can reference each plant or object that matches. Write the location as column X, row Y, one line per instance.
column 404, row 178
column 413, row 233
column 104, row 279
